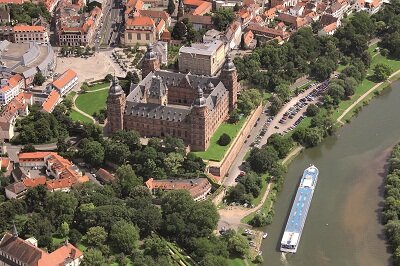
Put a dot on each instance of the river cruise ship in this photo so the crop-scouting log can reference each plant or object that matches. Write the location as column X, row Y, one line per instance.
column 298, row 214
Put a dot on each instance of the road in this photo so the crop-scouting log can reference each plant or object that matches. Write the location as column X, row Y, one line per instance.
column 234, row 170
column 113, row 14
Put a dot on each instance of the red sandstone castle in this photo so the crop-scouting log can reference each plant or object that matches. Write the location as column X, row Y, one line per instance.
column 187, row 106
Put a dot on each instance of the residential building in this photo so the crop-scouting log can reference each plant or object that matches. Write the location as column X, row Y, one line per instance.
column 65, row 82
column 197, row 7
column 198, row 188
column 202, row 58
column 187, row 106
column 11, row 87
column 268, row 33
column 18, row 190
column 62, row 174
column 51, row 101
column 104, row 176
column 27, row 34
column 18, row 106
column 26, row 59
column 16, row 251
column 75, row 28
column 232, row 36
column 200, row 22
column 338, row 9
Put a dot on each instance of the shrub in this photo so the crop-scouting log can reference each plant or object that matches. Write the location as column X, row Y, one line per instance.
column 224, row 140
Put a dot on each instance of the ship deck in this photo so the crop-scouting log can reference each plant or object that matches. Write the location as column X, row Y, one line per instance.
column 301, row 203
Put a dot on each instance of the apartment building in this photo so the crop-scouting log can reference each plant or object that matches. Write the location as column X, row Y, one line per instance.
column 10, row 88
column 75, row 28
column 202, row 58
column 64, row 83
column 26, row 34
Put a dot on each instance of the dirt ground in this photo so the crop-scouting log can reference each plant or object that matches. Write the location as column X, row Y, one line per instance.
column 88, row 69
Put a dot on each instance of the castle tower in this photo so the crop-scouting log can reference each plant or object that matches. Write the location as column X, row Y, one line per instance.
column 229, row 79
column 151, row 62
column 199, row 138
column 181, row 11
column 116, row 101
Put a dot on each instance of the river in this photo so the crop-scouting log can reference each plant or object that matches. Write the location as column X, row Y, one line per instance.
column 343, row 224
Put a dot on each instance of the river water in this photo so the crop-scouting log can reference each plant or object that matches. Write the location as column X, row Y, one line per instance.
column 343, row 224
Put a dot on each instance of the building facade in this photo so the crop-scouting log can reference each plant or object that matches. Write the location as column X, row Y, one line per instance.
column 26, row 34
column 202, row 58
column 65, row 82
column 187, row 106
column 10, row 88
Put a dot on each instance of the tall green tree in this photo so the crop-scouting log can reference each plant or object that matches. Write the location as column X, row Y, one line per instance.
column 124, row 237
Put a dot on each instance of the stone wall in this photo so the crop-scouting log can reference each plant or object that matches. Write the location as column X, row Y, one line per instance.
column 221, row 168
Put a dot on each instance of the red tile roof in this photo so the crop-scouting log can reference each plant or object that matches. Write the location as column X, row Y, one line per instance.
column 51, row 101
column 15, row 80
column 17, row 2
column 196, row 187
column 25, row 28
column 203, row 8
column 33, row 182
column 63, row 80
column 140, row 21
column 39, row 155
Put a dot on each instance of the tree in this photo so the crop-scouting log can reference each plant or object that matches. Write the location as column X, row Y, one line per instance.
column 62, row 145
column 280, row 144
column 85, row 87
column 74, row 236
column 211, row 260
column 323, row 68
column 92, row 152
column 179, row 31
column 132, row 77
column 283, row 91
column 224, row 139
column 237, row 244
column 336, row 92
column 308, row 137
column 173, row 162
column 263, row 159
column 109, row 77
column 94, row 257
column 171, row 7
column 382, row 72
column 64, row 229
column 130, row 138
column 155, row 247
column 28, row 148
column 127, row 179
column 124, row 237
column 276, row 104
column 61, row 207
column 312, row 110
column 96, row 236
column 248, row 100
column 39, row 79
column 234, row 116
column 116, row 152
column 222, row 18
column 36, row 199
column 350, row 85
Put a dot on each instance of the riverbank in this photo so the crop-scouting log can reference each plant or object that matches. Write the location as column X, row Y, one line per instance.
column 363, row 98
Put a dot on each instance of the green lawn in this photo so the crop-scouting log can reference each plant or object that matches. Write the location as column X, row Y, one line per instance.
column 79, row 117
column 215, row 152
column 92, row 102
column 98, row 86
column 70, row 95
column 239, row 262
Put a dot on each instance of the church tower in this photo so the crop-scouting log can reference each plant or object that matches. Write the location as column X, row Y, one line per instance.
column 229, row 79
column 151, row 62
column 116, row 101
column 199, row 139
